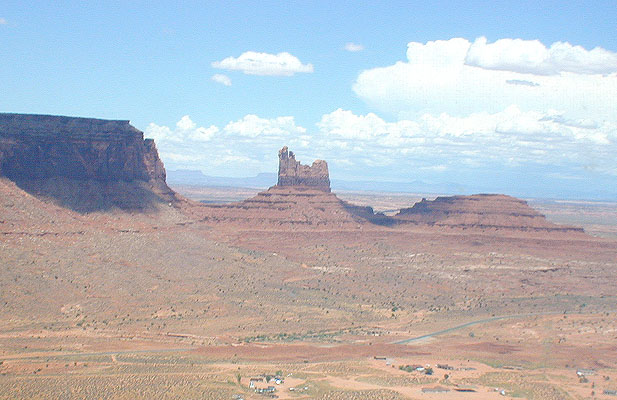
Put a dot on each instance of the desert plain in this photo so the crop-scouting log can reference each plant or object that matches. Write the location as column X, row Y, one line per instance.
column 114, row 285
column 164, row 304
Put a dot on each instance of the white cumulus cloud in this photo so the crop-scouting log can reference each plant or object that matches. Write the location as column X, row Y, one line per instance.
column 346, row 124
column 437, row 77
column 239, row 147
column 202, row 134
column 222, row 79
column 532, row 57
column 185, row 123
column 510, row 134
column 3, row 21
column 185, row 131
column 353, row 47
column 254, row 63
column 159, row 133
column 254, row 126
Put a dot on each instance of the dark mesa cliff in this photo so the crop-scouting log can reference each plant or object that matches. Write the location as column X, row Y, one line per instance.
column 83, row 163
column 46, row 146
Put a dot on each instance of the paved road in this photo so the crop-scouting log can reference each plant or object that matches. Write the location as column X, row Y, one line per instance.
column 481, row 321
column 404, row 341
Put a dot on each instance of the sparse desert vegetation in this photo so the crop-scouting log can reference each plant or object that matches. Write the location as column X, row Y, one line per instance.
column 210, row 304
column 293, row 293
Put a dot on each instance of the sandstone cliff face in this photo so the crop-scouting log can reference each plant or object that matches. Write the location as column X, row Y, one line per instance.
column 46, row 146
column 292, row 173
column 84, row 163
column 480, row 211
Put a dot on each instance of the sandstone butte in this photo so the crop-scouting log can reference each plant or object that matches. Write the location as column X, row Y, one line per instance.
column 292, row 173
column 94, row 165
column 302, row 198
column 486, row 211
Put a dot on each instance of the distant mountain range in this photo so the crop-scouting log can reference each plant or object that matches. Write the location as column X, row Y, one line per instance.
column 196, row 177
column 526, row 188
column 265, row 180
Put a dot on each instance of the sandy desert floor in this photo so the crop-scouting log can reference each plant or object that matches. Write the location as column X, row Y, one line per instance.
column 159, row 305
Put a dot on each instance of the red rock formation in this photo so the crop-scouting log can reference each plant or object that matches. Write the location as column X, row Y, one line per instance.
column 291, row 207
column 301, row 198
column 85, row 162
column 292, row 173
column 480, row 211
column 46, row 146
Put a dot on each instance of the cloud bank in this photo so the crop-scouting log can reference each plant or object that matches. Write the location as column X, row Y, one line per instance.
column 240, row 148
column 254, row 63
column 356, row 143
column 511, row 136
column 532, row 57
column 457, row 111
column 459, row 77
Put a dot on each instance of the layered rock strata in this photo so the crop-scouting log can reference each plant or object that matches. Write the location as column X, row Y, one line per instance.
column 291, row 206
column 480, row 211
column 86, row 162
column 301, row 198
column 293, row 173
column 46, row 146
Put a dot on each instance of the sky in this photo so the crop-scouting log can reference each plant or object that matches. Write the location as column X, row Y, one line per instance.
column 518, row 97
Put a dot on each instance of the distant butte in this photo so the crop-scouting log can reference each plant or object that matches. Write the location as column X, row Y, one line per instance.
column 292, row 173
column 302, row 199
column 480, row 211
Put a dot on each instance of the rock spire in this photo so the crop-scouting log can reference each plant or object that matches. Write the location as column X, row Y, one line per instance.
column 292, row 173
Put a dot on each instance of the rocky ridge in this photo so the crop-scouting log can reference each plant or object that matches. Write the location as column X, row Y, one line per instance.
column 479, row 211
column 281, row 206
column 302, row 199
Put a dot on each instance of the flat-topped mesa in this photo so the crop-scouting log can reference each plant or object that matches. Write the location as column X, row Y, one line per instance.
column 82, row 163
column 480, row 211
column 47, row 146
column 292, row 173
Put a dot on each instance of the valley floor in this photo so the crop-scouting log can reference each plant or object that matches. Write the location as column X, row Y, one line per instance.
column 162, row 305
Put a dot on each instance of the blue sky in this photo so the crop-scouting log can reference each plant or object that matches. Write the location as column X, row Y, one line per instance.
column 485, row 95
